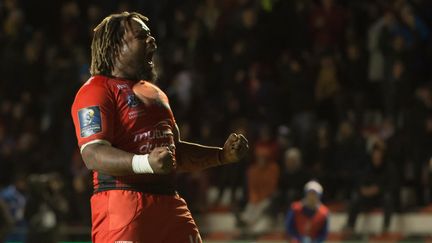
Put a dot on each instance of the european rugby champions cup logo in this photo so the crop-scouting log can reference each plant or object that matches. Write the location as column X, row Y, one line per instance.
column 90, row 121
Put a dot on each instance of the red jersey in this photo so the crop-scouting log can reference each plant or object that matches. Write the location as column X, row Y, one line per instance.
column 106, row 110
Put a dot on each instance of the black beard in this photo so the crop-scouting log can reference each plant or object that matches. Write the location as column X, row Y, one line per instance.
column 148, row 74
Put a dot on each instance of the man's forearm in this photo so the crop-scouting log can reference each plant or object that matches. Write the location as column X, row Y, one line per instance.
column 107, row 159
column 112, row 161
column 195, row 157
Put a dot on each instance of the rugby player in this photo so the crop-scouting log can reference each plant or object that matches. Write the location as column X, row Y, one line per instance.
column 129, row 138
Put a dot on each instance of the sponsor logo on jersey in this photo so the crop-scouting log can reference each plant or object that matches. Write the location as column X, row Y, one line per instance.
column 90, row 121
column 153, row 134
column 136, row 113
column 122, row 86
column 148, row 147
column 160, row 135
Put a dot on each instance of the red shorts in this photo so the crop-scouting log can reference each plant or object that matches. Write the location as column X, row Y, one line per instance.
column 120, row 216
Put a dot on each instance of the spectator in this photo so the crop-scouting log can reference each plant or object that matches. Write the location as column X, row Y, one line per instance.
column 267, row 143
column 6, row 220
column 46, row 209
column 284, row 137
column 376, row 58
column 15, row 199
column 376, row 189
column 82, row 190
column 396, row 85
column 327, row 25
column 354, row 75
column 417, row 140
column 293, row 177
column 319, row 152
column 262, row 181
column 349, row 157
column 417, row 34
column 327, row 89
column 296, row 87
column 307, row 220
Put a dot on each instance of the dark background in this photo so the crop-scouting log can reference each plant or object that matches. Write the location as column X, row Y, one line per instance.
column 332, row 81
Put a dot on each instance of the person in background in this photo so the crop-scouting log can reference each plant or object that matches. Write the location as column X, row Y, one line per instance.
column 349, row 157
column 14, row 197
column 6, row 220
column 262, row 181
column 47, row 208
column 293, row 178
column 307, row 220
column 376, row 189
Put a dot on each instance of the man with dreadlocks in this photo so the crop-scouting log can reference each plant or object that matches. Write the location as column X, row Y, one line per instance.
column 129, row 138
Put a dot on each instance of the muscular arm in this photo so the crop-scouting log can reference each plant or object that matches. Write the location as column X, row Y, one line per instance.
column 194, row 157
column 116, row 162
column 112, row 161
column 107, row 159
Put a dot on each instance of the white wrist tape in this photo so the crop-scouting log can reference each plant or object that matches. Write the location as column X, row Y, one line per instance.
column 141, row 165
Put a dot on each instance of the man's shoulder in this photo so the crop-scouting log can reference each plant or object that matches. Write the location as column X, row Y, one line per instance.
column 96, row 81
column 155, row 87
column 324, row 209
column 297, row 205
column 96, row 88
column 153, row 84
column 95, row 84
column 160, row 92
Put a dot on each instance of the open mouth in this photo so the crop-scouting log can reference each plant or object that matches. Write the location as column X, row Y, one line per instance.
column 149, row 59
column 151, row 49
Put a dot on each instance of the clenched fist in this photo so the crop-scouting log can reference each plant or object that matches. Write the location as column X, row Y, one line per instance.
column 162, row 160
column 234, row 149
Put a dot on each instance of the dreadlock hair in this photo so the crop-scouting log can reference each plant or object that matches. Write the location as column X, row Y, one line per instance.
column 107, row 40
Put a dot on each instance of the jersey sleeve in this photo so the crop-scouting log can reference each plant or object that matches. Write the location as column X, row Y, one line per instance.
column 93, row 112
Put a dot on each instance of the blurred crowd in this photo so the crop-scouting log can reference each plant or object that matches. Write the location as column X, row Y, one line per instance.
column 336, row 91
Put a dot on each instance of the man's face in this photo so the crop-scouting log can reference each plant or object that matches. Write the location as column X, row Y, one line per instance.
column 136, row 52
column 377, row 157
column 312, row 199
